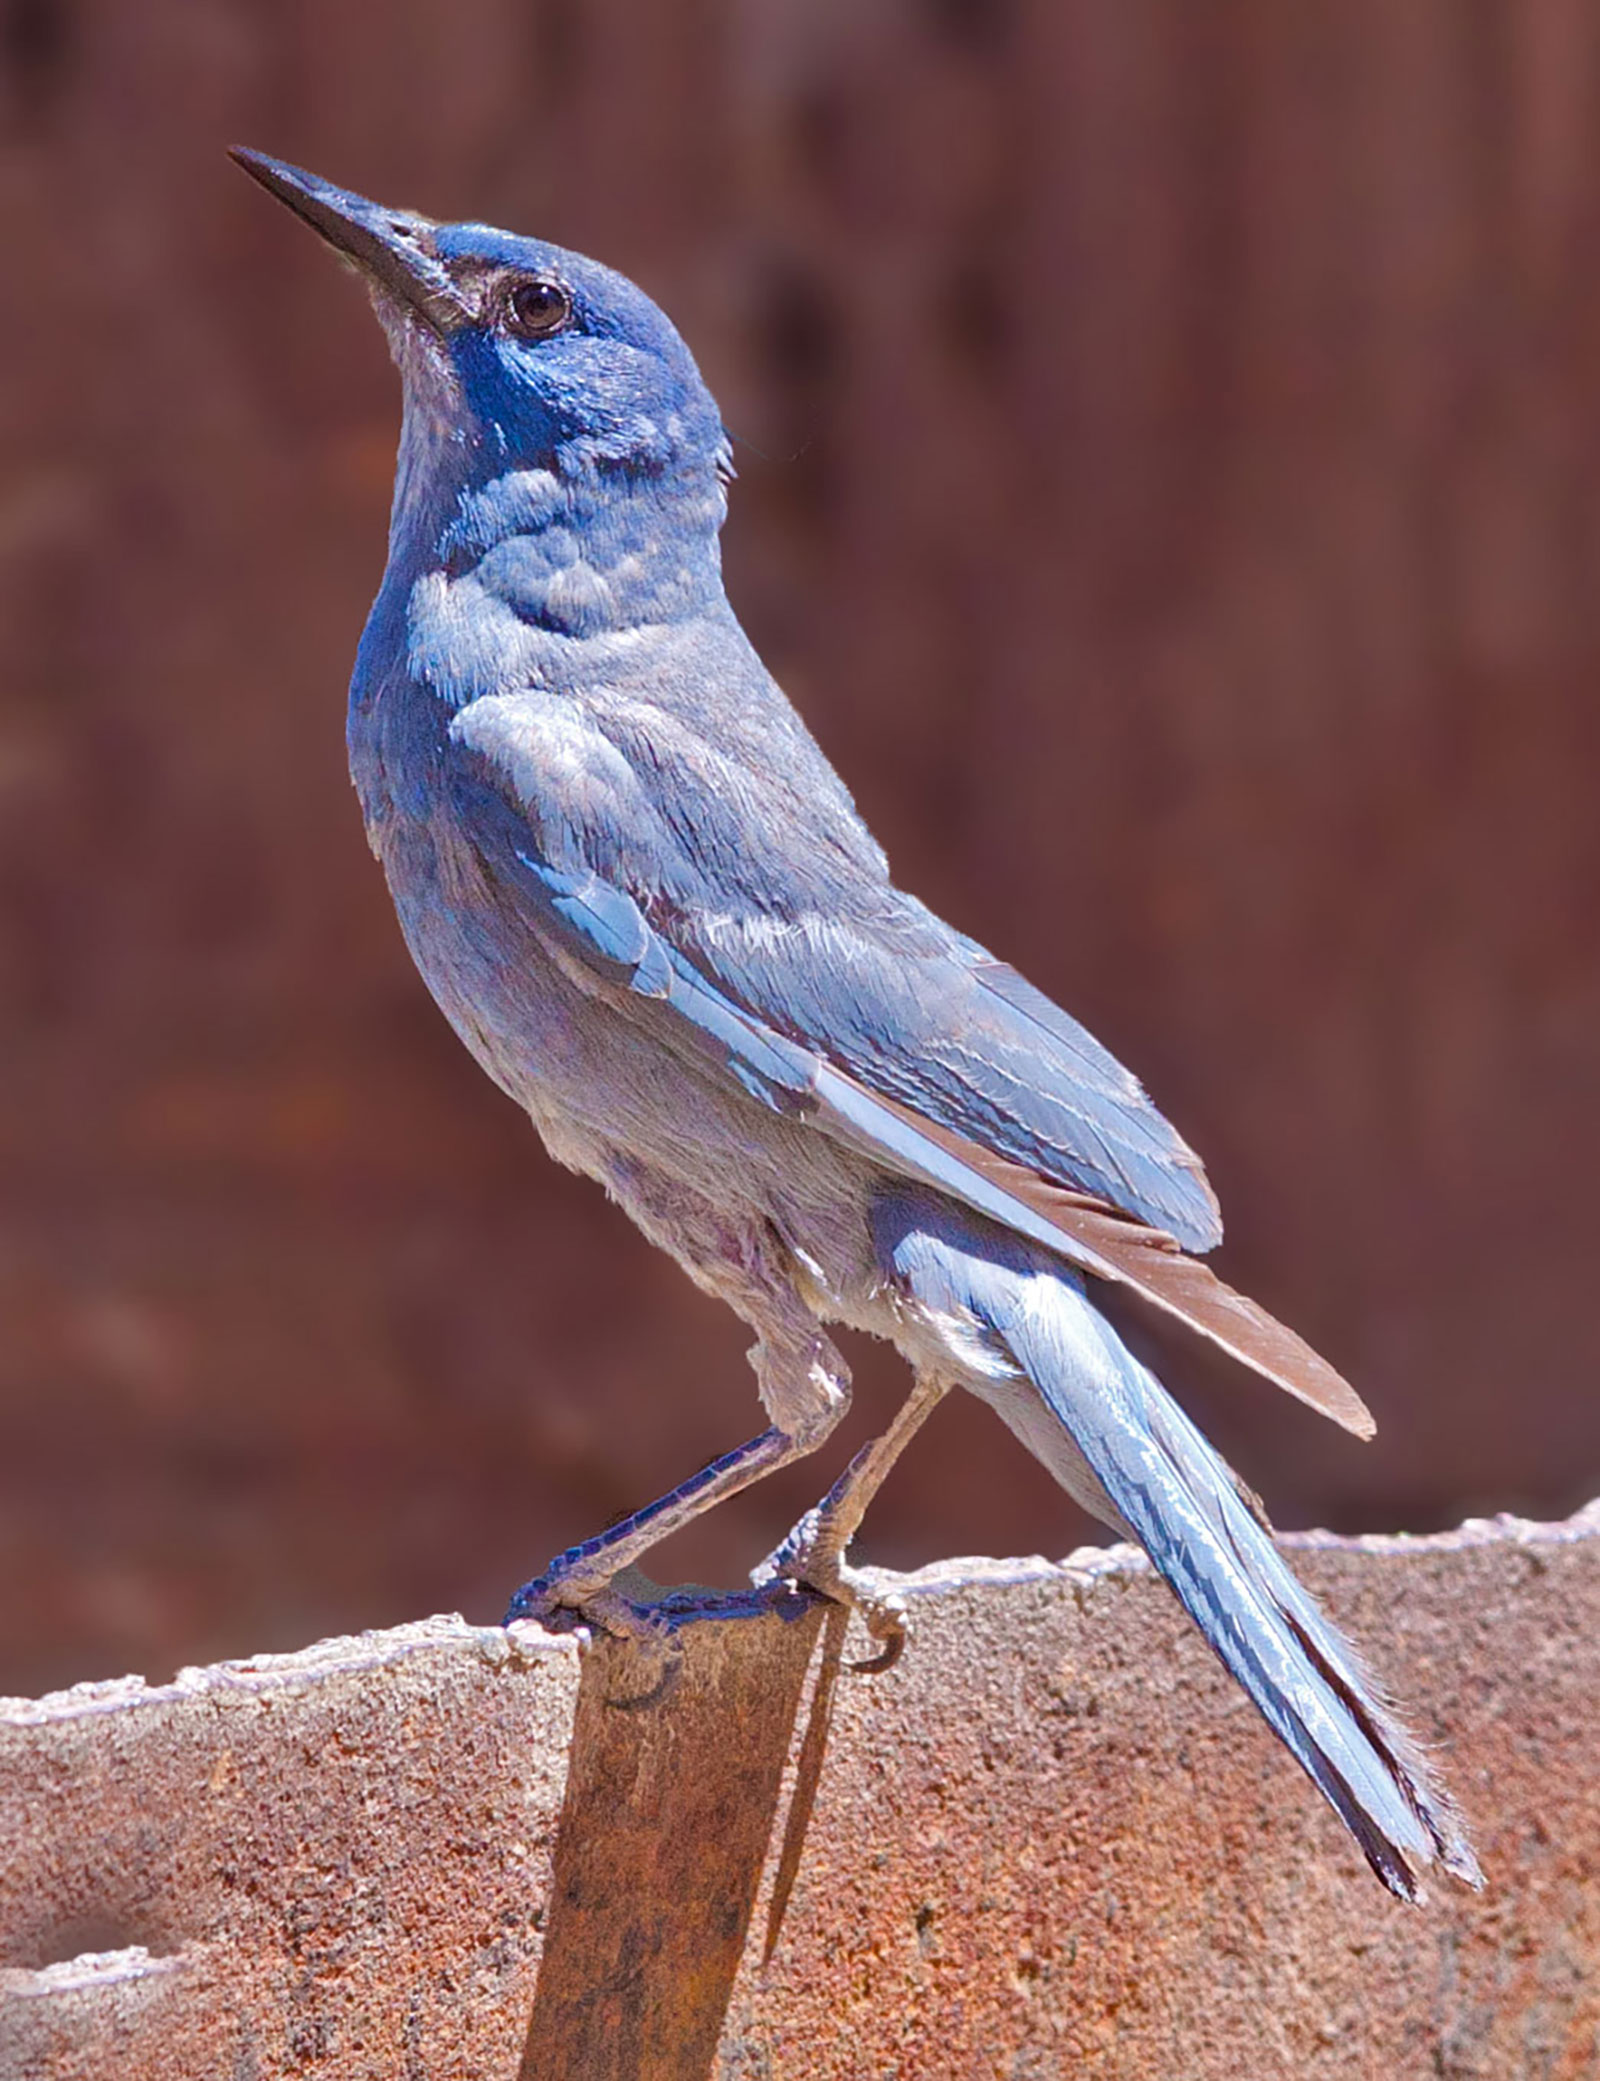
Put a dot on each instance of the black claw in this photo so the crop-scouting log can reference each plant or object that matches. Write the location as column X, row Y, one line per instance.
column 671, row 1669
column 525, row 1604
column 886, row 1657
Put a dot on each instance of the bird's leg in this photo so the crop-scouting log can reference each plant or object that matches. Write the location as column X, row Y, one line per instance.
column 814, row 1551
column 578, row 1579
column 806, row 1388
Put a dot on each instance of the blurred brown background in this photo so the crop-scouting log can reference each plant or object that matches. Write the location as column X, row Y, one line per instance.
column 1168, row 486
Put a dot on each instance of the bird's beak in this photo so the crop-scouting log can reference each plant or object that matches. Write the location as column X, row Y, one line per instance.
column 394, row 247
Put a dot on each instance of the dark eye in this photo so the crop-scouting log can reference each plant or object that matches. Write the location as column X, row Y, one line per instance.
column 534, row 310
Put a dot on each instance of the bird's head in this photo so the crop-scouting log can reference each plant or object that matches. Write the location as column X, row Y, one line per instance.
column 530, row 355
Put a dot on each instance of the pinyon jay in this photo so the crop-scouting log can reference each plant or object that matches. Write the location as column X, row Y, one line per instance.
column 646, row 903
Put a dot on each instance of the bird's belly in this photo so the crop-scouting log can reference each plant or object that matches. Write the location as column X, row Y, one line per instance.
column 660, row 1130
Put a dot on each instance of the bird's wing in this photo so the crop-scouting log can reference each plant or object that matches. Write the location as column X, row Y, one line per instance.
column 925, row 1017
column 802, row 927
column 857, row 1031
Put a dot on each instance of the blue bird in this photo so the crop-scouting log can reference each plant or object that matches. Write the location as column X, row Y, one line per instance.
column 646, row 903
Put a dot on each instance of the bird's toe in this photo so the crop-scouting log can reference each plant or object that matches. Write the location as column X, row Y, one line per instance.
column 812, row 1555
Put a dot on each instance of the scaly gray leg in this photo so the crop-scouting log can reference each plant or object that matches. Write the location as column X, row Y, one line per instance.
column 577, row 1580
column 805, row 1387
column 814, row 1551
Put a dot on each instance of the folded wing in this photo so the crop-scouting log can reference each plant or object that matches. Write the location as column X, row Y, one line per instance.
column 603, row 931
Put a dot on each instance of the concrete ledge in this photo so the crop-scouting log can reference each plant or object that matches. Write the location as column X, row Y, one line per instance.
column 1053, row 1840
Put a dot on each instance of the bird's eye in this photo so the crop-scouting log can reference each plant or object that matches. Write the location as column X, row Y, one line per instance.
column 536, row 309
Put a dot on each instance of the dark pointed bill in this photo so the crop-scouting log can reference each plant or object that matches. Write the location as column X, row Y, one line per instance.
column 395, row 247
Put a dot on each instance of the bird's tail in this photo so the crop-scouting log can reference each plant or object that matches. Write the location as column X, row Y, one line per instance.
column 1028, row 1339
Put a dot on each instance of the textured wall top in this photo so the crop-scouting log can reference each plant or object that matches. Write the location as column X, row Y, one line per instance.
column 1053, row 1840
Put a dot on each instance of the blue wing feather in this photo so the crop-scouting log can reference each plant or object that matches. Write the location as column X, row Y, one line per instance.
column 605, row 929
column 955, row 1136
column 919, row 1014
column 812, row 942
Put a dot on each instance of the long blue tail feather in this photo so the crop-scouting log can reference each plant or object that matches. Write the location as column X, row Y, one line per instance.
column 1017, row 1320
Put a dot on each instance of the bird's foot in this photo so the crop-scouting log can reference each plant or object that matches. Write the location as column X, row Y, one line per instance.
column 625, row 1606
column 813, row 1555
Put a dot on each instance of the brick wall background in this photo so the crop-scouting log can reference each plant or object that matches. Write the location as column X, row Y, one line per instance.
column 1167, row 449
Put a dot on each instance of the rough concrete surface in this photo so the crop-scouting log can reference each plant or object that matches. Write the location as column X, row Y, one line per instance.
column 326, row 1863
column 1053, row 1841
